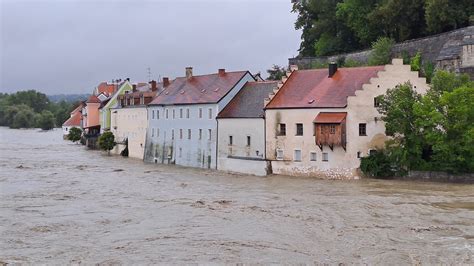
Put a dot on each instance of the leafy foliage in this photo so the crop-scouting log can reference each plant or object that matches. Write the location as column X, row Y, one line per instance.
column 415, row 62
column 276, row 72
column 27, row 109
column 74, row 134
column 333, row 26
column 107, row 141
column 381, row 51
column 430, row 132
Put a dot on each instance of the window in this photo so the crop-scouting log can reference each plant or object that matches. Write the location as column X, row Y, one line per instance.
column 210, row 113
column 189, row 133
column 297, row 156
column 200, row 112
column 172, row 134
column 157, row 114
column 210, row 134
column 332, row 129
column 325, row 157
column 248, row 141
column 282, row 131
column 231, row 142
column 166, row 113
column 200, row 133
column 362, row 129
column 322, row 129
column 358, row 154
column 157, row 132
column 153, row 114
column 279, row 154
column 180, row 152
column 174, row 113
column 152, row 132
column 299, row 129
column 187, row 113
column 377, row 101
column 181, row 134
column 180, row 112
column 312, row 156
column 372, row 152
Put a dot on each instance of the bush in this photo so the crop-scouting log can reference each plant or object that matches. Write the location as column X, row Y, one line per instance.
column 383, row 164
column 415, row 62
column 74, row 134
column 107, row 141
column 45, row 120
column 406, row 57
column 428, row 71
column 381, row 51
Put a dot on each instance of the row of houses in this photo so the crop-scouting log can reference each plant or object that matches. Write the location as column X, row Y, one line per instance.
column 317, row 122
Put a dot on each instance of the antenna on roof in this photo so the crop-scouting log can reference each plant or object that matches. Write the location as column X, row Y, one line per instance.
column 149, row 74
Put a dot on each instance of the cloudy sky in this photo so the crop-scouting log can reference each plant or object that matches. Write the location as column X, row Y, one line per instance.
column 69, row 46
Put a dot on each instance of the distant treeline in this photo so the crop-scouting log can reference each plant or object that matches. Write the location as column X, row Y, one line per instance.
column 336, row 26
column 68, row 97
column 32, row 109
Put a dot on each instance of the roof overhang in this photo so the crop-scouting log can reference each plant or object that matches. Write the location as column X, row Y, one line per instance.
column 330, row 118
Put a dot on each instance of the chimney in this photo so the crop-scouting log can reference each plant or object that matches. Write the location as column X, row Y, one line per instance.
column 153, row 85
column 134, row 86
column 221, row 72
column 189, row 72
column 332, row 69
column 166, row 82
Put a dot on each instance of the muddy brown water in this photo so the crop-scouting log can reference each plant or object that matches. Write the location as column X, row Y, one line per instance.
column 63, row 204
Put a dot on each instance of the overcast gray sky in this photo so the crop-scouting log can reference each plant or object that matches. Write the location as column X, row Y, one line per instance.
column 68, row 46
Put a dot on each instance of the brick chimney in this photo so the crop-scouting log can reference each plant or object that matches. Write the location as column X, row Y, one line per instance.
column 221, row 71
column 189, row 72
column 166, row 82
column 332, row 69
column 153, row 85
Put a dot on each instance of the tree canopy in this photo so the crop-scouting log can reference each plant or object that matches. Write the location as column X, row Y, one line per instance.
column 107, row 141
column 335, row 26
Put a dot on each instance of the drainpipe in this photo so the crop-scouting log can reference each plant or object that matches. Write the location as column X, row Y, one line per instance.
column 217, row 139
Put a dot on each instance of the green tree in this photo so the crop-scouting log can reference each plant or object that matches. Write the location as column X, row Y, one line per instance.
column 74, row 134
column 45, row 120
column 107, row 141
column 415, row 62
column 445, row 15
column 381, row 51
column 276, row 72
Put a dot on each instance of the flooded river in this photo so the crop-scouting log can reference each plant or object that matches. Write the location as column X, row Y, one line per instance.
column 62, row 204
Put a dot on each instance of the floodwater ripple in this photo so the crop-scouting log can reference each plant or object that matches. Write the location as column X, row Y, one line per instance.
column 63, row 204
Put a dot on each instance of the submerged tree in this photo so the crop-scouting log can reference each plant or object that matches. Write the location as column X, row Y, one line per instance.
column 107, row 141
column 74, row 134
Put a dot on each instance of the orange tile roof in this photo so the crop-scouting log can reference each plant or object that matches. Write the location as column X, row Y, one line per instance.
column 106, row 88
column 314, row 89
column 74, row 120
column 330, row 118
column 93, row 99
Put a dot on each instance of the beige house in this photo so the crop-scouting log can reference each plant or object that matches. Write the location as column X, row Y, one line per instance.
column 241, row 131
column 319, row 123
column 129, row 120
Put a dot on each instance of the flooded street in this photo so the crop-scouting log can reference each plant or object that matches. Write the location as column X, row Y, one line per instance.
column 60, row 203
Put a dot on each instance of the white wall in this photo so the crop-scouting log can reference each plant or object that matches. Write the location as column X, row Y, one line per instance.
column 130, row 123
column 239, row 129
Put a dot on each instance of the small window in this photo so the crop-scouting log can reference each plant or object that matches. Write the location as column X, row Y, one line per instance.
column 377, row 101
column 358, row 154
column 210, row 113
column 210, row 134
column 332, row 129
column 174, row 113
column 187, row 113
column 282, row 130
column 248, row 141
column 180, row 134
column 153, row 114
column 152, row 132
column 157, row 114
column 362, row 129
column 200, row 112
column 279, row 154
column 166, row 113
column 312, row 156
column 157, row 132
column 297, row 156
column 200, row 133
column 325, row 157
column 299, row 129
column 189, row 133
column 180, row 112
column 231, row 141
column 172, row 134
column 180, row 152
column 372, row 152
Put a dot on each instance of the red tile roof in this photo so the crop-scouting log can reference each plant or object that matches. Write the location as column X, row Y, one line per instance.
column 106, row 88
column 74, row 120
column 330, row 118
column 249, row 102
column 198, row 89
column 314, row 89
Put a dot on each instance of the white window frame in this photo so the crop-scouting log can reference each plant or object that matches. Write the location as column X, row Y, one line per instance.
column 312, row 155
column 325, row 157
column 300, row 155
column 279, row 154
